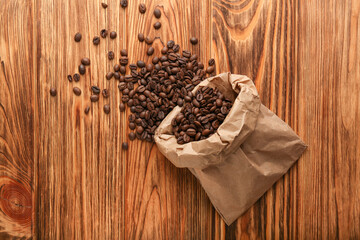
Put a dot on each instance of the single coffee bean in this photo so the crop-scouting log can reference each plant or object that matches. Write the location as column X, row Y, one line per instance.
column 150, row 51
column 116, row 67
column 111, row 55
column 157, row 25
column 125, row 146
column 94, row 98
column 69, row 77
column 132, row 126
column 200, row 65
column 107, row 108
column 117, row 75
column 85, row 61
column 96, row 40
column 170, row 44
column 155, row 60
column 219, row 102
column 210, row 69
column 142, row 8
column 105, row 93
column 77, row 91
column 211, row 62
column 132, row 136
column 104, row 5
column 113, row 35
column 87, row 110
column 82, row 69
column 103, row 33
column 157, row 13
column 122, row 107
column 124, row 61
column 149, row 40
column 109, row 75
column 76, row 77
column 123, row 52
column 205, row 132
column 141, row 37
column 140, row 64
column 53, row 92
column 133, row 66
column 176, row 48
column 77, row 37
column 139, row 129
column 122, row 70
column 124, row 3
column 149, row 67
column 193, row 40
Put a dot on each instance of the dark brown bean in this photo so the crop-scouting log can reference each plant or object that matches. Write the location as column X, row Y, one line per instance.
column 142, row 8
column 104, row 5
column 85, row 61
column 157, row 13
column 53, row 92
column 164, row 50
column 210, row 69
column 124, row 52
column 149, row 40
column 96, row 40
column 117, row 75
column 77, row 37
column 94, row 98
column 170, row 44
column 105, row 93
column 87, row 110
column 113, row 34
column 111, row 55
column 150, row 51
column 141, row 37
column 124, row 3
column 157, row 25
column 107, row 108
column 69, row 77
column 193, row 40
column 103, row 33
column 124, row 61
column 122, row 107
column 140, row 64
column 77, row 91
column 82, row 69
column 95, row 89
column 109, row 75
column 211, row 62
column 132, row 136
column 76, row 77
column 125, row 146
column 116, row 68
column 122, row 70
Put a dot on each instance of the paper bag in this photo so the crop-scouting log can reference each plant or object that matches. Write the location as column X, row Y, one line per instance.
column 248, row 153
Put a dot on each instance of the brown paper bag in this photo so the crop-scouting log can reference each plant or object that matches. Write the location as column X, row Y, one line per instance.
column 249, row 152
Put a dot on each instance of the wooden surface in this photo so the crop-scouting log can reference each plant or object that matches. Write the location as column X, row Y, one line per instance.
column 63, row 173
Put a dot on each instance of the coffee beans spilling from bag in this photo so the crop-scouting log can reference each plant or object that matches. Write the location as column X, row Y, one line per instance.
column 201, row 115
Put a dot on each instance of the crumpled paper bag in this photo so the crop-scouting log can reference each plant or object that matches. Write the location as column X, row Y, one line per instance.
column 249, row 152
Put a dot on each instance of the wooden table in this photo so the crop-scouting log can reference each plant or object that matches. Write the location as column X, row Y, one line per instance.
column 63, row 173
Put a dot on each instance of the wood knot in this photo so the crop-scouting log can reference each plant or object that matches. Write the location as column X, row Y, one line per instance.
column 15, row 201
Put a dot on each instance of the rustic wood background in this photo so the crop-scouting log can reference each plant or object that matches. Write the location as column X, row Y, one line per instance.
column 63, row 174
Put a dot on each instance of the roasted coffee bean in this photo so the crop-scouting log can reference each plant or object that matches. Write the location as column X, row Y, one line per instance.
column 53, row 92
column 117, row 75
column 140, row 64
column 124, row 3
column 193, row 40
column 125, row 146
column 96, row 40
column 76, row 77
column 141, row 37
column 164, row 50
column 69, row 77
column 157, row 25
column 94, row 98
column 219, row 102
column 105, row 93
column 113, row 34
column 149, row 67
column 87, row 110
column 77, row 91
column 77, row 37
column 95, row 89
column 170, row 44
column 104, row 5
column 150, row 51
column 124, row 61
column 122, row 70
column 116, row 68
column 109, row 75
column 82, row 69
column 124, row 52
column 133, row 66
column 211, row 62
column 149, row 40
column 122, row 107
column 103, row 33
column 200, row 65
column 155, row 60
column 132, row 136
column 85, row 61
column 111, row 55
column 157, row 13
column 142, row 8
column 210, row 69
column 107, row 108
column 176, row 48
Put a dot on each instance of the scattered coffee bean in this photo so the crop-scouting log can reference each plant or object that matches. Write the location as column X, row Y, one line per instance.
column 157, row 25
column 87, row 110
column 150, row 51
column 142, row 8
column 94, row 98
column 149, row 40
column 96, row 40
column 95, row 89
column 111, row 55
column 123, row 52
column 124, row 61
column 141, row 37
column 82, row 69
column 104, row 5
column 105, row 93
column 53, row 92
column 210, row 69
column 117, row 75
column 85, row 61
column 176, row 48
column 76, row 77
column 132, row 136
column 164, row 50
column 140, row 64
column 170, row 44
column 211, row 62
column 107, row 108
column 116, row 67
column 77, row 37
column 69, row 77
column 113, row 35
column 157, row 13
column 193, row 40
column 124, row 3
column 103, row 33
column 122, row 70
column 109, row 75
column 77, row 91
column 122, row 107
column 125, row 146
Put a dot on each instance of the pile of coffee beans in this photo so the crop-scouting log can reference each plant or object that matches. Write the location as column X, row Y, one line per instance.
column 201, row 116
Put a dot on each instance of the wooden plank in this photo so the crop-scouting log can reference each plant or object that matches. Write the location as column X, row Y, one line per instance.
column 161, row 201
column 304, row 59
column 79, row 184
column 16, row 122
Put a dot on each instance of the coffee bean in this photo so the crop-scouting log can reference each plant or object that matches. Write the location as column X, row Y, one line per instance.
column 150, row 51
column 133, row 66
column 124, row 52
column 77, row 91
column 122, row 70
column 116, row 68
column 87, row 110
column 111, row 55
column 132, row 136
column 104, row 5
column 117, row 75
column 107, row 108
column 211, row 62
column 103, row 33
column 85, row 61
column 139, row 129
column 69, row 77
column 157, row 25
column 210, row 69
column 170, row 44
column 113, row 35
column 125, row 146
column 96, row 40
column 94, row 98
column 53, row 92
column 155, row 60
column 218, row 102
column 109, row 75
column 82, row 69
column 124, row 3
column 176, row 48
column 122, row 107
column 140, row 64
column 157, row 13
column 149, row 67
column 149, row 40
column 200, row 65
column 76, row 77
column 193, row 40
column 124, row 61
column 142, row 8
column 132, row 126
column 164, row 50
column 77, row 37
column 141, row 37
column 105, row 93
